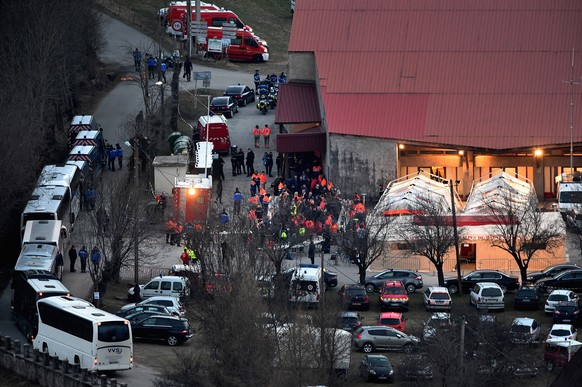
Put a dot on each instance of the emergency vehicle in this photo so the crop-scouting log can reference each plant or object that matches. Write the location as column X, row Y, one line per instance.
column 218, row 134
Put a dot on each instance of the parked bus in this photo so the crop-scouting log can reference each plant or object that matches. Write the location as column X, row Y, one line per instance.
column 49, row 203
column 27, row 288
column 39, row 257
column 73, row 329
column 304, row 287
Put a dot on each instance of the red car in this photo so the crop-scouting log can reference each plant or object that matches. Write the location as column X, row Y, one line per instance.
column 393, row 319
column 393, row 294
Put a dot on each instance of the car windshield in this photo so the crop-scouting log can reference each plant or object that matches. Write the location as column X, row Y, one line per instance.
column 394, row 290
column 519, row 328
column 559, row 332
column 349, row 320
column 491, row 292
column 389, row 321
column 356, row 292
column 439, row 296
column 526, row 293
column 379, row 362
column 558, row 297
column 234, row 90
column 219, row 102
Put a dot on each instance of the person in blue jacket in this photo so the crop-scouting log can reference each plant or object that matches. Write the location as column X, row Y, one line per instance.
column 119, row 155
column 152, row 63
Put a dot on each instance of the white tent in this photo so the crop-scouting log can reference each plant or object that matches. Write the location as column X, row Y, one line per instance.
column 501, row 185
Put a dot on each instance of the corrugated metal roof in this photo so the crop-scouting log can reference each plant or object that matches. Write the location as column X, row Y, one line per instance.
column 297, row 103
column 459, row 72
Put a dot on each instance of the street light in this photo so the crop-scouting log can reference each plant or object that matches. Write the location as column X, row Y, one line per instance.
column 161, row 85
column 455, row 233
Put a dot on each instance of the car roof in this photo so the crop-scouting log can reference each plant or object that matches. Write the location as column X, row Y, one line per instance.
column 223, row 97
column 523, row 321
column 488, row 285
column 155, row 298
column 440, row 316
column 438, row 289
column 238, row 86
column 560, row 326
column 377, row 357
column 380, row 327
column 349, row 314
column 390, row 315
column 355, row 286
column 393, row 283
column 561, row 291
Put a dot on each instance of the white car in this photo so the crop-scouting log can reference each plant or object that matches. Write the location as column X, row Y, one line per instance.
column 487, row 295
column 524, row 330
column 169, row 285
column 562, row 332
column 172, row 303
column 557, row 296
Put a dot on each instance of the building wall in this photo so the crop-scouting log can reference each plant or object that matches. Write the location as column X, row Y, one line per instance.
column 360, row 164
column 301, row 66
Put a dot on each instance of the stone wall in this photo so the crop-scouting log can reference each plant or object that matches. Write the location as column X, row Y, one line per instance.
column 361, row 164
column 44, row 370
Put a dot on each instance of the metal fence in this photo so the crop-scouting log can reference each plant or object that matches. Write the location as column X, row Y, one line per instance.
column 145, row 273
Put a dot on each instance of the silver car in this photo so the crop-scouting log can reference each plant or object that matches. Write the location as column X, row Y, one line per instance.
column 371, row 338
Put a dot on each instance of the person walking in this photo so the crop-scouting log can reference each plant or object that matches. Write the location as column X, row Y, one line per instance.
column 311, row 251
column 95, row 259
column 257, row 80
column 185, row 257
column 240, row 162
column 162, row 71
column 111, row 154
column 119, row 156
column 269, row 164
column 279, row 162
column 250, row 162
column 237, row 199
column 152, row 64
column 59, row 263
column 72, row 258
column 83, row 255
column 137, row 59
column 257, row 136
column 266, row 135
column 219, row 191
column 187, row 69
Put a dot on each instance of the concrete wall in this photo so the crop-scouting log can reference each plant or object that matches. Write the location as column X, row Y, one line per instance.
column 43, row 370
column 360, row 164
column 301, row 66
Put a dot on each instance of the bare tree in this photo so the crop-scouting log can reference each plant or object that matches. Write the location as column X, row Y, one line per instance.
column 364, row 242
column 428, row 233
column 521, row 229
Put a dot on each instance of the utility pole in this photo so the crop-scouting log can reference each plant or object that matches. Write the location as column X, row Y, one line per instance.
column 322, row 280
column 136, row 187
column 456, row 236
column 188, row 26
column 571, row 115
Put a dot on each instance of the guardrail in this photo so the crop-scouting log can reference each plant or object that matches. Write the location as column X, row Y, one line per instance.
column 45, row 370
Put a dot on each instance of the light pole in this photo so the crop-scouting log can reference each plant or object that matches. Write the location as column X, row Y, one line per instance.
column 161, row 85
column 455, row 233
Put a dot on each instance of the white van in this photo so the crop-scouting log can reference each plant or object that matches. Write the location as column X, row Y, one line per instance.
column 173, row 286
column 304, row 287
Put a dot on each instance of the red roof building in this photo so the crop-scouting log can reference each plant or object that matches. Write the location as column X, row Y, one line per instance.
column 454, row 87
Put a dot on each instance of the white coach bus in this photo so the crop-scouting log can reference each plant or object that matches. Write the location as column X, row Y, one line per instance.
column 73, row 329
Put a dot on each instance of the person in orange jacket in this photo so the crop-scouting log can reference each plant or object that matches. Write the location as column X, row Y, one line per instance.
column 266, row 135
column 263, row 179
column 257, row 135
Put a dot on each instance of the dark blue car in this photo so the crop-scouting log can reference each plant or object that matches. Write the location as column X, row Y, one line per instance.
column 566, row 312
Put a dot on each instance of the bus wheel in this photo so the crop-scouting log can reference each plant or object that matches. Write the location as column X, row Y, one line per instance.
column 44, row 347
column 172, row 340
column 76, row 360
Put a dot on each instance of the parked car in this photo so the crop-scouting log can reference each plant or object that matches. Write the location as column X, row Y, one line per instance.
column 173, row 330
column 437, row 298
column 528, row 297
column 144, row 308
column 418, row 366
column 562, row 332
column 567, row 280
column 242, row 94
column 329, row 277
column 169, row 285
column 439, row 322
column 354, row 296
column 393, row 295
column 224, row 105
column 173, row 304
column 393, row 319
column 349, row 321
column 559, row 295
column 409, row 278
column 139, row 316
column 371, row 338
column 550, row 271
column 376, row 367
column 524, row 330
column 487, row 295
column 505, row 281
column 566, row 312
column 559, row 353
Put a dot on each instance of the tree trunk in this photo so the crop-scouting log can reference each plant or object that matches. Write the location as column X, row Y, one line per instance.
column 362, row 273
column 523, row 272
column 440, row 274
